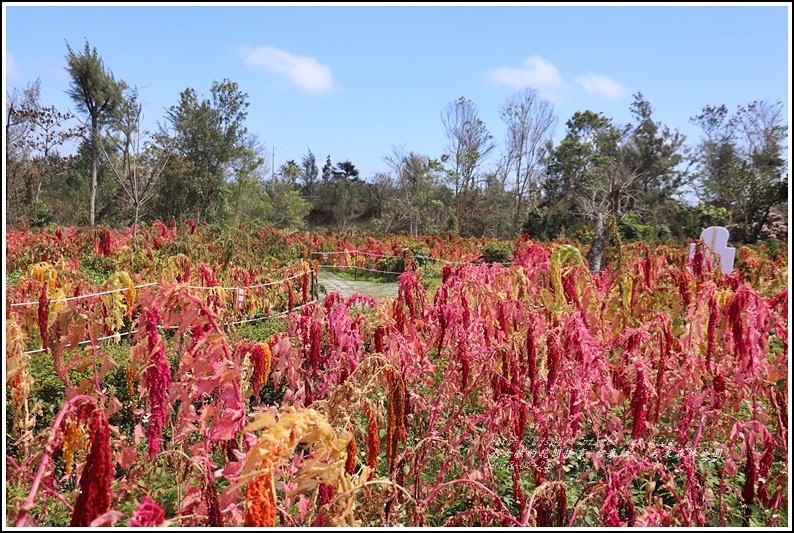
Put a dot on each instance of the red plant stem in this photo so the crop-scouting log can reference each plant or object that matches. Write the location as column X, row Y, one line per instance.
column 559, row 460
column 700, row 431
column 28, row 505
column 214, row 324
column 528, row 511
column 450, row 458
column 477, row 484
column 47, row 489
column 96, row 371
column 489, row 511
column 437, row 410
column 580, row 501
column 677, row 498
column 722, row 488
column 429, row 441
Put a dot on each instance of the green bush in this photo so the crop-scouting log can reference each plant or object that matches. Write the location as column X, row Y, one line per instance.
column 497, row 253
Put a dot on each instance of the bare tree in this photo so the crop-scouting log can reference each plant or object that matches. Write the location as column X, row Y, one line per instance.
column 416, row 200
column 469, row 145
column 141, row 163
column 33, row 135
column 530, row 124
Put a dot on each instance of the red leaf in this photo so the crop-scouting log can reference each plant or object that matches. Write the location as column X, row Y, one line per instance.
column 128, row 456
column 225, row 426
column 303, row 506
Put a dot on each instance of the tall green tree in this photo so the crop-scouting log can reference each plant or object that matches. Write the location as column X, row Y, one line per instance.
column 96, row 93
column 416, row 205
column 209, row 135
column 287, row 209
column 328, row 170
column 590, row 177
column 342, row 196
column 248, row 200
column 659, row 153
column 290, row 172
column 741, row 166
column 570, row 164
column 308, row 174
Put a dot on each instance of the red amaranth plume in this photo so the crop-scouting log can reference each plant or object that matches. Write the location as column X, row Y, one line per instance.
column 106, row 242
column 256, row 354
column 408, row 284
column 97, row 477
column 44, row 314
column 698, row 259
column 639, row 401
column 531, row 363
column 682, row 281
column 379, row 332
column 712, row 328
column 764, row 466
column 315, row 345
column 306, row 284
column 748, row 490
column 647, row 268
column 325, row 493
column 552, row 506
column 352, row 452
column 569, row 290
column 446, row 272
column 667, row 341
column 395, row 431
column 373, row 439
column 399, row 315
column 214, row 517
column 148, row 514
column 735, row 311
column 157, row 379
column 554, row 350
column 719, row 386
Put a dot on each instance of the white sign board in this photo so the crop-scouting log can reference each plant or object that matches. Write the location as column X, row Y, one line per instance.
column 716, row 239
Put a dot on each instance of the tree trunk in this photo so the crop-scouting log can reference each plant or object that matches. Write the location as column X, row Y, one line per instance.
column 517, row 215
column 135, row 221
column 92, row 202
column 599, row 244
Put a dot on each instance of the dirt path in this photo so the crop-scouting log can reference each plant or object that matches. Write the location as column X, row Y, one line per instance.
column 347, row 288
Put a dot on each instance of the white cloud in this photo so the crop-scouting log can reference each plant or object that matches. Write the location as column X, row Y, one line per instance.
column 603, row 85
column 306, row 72
column 535, row 72
column 12, row 67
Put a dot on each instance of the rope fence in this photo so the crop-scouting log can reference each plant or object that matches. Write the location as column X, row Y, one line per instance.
column 324, row 255
column 118, row 335
column 356, row 253
column 78, row 297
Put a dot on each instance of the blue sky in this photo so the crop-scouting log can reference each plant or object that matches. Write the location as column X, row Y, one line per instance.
column 355, row 81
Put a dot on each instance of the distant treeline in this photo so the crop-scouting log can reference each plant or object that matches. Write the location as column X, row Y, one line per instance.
column 602, row 180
